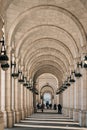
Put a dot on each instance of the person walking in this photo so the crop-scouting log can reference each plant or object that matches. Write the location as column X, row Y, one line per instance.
column 59, row 109
column 42, row 107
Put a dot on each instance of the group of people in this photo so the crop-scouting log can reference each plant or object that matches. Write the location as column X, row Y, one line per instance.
column 42, row 106
column 59, row 108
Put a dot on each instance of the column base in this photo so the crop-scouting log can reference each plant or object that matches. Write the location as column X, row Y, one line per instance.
column 5, row 119
column 66, row 111
column 71, row 113
column 1, row 121
column 10, row 119
column 76, row 115
column 35, row 110
column 25, row 112
column 29, row 111
column 83, row 118
column 22, row 114
column 17, row 116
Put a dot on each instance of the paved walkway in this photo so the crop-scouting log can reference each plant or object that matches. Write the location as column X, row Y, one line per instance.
column 49, row 119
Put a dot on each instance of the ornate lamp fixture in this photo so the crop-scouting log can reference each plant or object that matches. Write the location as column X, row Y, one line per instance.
column 67, row 82
column 85, row 62
column 5, row 66
column 14, row 74
column 3, row 57
column 29, row 85
column 60, row 90
column 21, row 78
column 77, row 71
column 72, row 80
column 64, row 86
column 35, row 91
column 25, row 82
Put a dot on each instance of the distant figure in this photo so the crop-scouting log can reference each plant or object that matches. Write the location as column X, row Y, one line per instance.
column 54, row 106
column 42, row 107
column 38, row 107
column 47, row 104
column 59, row 109
column 50, row 105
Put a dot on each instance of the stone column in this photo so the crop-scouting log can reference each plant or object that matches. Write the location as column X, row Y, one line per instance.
column 1, row 113
column 77, row 95
column 17, row 113
column 19, row 101
column 31, row 103
column 71, row 100
column 8, row 94
column 76, row 100
column 67, row 101
column 25, row 102
column 29, row 111
column 22, row 101
column 83, row 111
column 34, row 101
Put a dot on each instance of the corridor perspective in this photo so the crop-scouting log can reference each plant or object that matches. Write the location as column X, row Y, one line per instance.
column 43, row 64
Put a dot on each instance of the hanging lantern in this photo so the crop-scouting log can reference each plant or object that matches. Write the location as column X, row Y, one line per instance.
column 21, row 78
column 77, row 71
column 14, row 74
column 25, row 82
column 72, row 80
column 3, row 57
column 67, row 82
column 85, row 62
column 78, row 74
column 5, row 66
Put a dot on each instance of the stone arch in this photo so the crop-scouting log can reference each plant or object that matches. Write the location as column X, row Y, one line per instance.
column 47, row 69
column 72, row 16
column 43, row 51
column 65, row 34
column 45, row 60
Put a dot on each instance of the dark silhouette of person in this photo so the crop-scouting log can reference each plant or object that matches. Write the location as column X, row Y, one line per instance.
column 54, row 106
column 47, row 104
column 59, row 109
column 50, row 105
column 38, row 107
column 42, row 107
